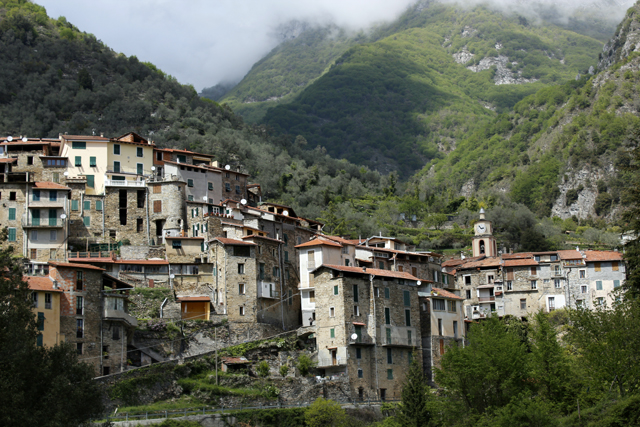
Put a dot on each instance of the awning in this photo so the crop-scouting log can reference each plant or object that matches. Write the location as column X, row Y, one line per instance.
column 194, row 299
column 359, row 324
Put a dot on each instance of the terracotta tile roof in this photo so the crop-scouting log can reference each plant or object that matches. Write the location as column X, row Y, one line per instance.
column 520, row 262
column 84, row 138
column 482, row 263
column 184, row 237
column 8, row 160
column 603, row 256
column 174, row 150
column 143, row 261
column 97, row 260
column 205, row 167
column 50, row 185
column 256, row 236
column 39, row 283
column 571, row 254
column 374, row 271
column 340, row 240
column 445, row 294
column 518, row 255
column 193, row 299
column 453, row 262
column 74, row 265
column 235, row 360
column 226, row 241
column 318, row 242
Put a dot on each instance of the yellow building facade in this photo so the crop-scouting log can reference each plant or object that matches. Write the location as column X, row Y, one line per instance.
column 46, row 307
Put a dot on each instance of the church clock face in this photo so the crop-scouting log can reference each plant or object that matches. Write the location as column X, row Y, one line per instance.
column 481, row 228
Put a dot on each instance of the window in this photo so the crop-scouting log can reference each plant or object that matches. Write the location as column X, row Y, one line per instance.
column 451, row 306
column 47, row 301
column 387, row 293
column 34, row 298
column 182, row 158
column 87, row 221
column 34, row 252
column 139, row 152
column 36, row 195
column 12, row 214
column 552, row 303
column 407, row 298
column 389, row 375
column 91, row 181
column 41, row 321
column 407, row 317
column 78, row 161
column 237, row 177
column 241, row 288
column 286, row 256
column 290, row 297
column 582, row 274
column 39, row 340
column 616, row 283
column 240, row 268
column 227, row 186
column 356, row 310
column 355, row 293
column 116, row 149
column 79, row 306
column 438, row 304
column 579, row 303
column 358, row 353
column 116, row 166
column 210, row 185
column 583, row 289
column 440, row 331
column 376, row 292
column 29, row 160
column 389, row 356
column 86, row 205
column 139, row 169
column 381, row 265
column 509, row 285
column 79, row 348
column 387, row 316
column 53, row 195
column 242, row 251
column 190, row 198
column 490, row 278
column 98, row 205
column 78, row 145
column 598, row 285
column 115, row 332
column 276, row 271
column 409, row 356
column 523, row 304
column 332, row 333
column 467, row 280
column 12, row 235
column 237, row 189
column 455, row 329
column 92, row 162
column 468, row 293
column 79, row 328
column 534, row 284
column 534, row 271
column 614, row 266
column 12, row 195
column 332, row 312
column 190, row 183
column 360, row 373
column 241, row 311
column 600, row 300
column 335, row 290
column 596, row 266
column 139, row 225
column 79, row 280
column 55, row 177
column 557, row 283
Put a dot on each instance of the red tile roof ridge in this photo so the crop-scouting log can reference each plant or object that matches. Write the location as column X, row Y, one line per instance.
column 318, row 242
column 40, row 283
column 569, row 254
column 74, row 265
column 51, row 185
column 446, row 294
column 603, row 256
column 374, row 271
column 520, row 262
column 227, row 241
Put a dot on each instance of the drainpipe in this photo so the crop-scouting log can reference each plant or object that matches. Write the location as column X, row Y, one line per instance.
column 375, row 329
column 162, row 306
column 25, row 235
column 146, row 196
column 104, row 203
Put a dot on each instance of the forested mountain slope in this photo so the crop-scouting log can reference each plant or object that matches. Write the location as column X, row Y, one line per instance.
column 433, row 76
column 561, row 151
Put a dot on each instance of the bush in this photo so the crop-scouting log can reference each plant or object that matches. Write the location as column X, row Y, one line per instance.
column 304, row 365
column 284, row 370
column 263, row 369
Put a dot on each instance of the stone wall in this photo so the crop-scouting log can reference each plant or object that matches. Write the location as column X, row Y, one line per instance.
column 142, row 252
column 135, row 228
column 19, row 194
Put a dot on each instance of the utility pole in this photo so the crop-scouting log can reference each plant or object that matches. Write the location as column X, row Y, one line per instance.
column 216, row 339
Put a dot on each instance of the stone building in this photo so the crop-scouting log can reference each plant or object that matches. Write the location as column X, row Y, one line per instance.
column 606, row 273
column 168, row 212
column 45, row 221
column 367, row 327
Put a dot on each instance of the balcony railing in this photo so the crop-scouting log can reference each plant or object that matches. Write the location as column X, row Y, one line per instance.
column 110, row 314
column 395, row 341
column 329, row 361
column 42, row 222
column 123, row 183
column 486, row 299
column 101, row 254
column 361, row 340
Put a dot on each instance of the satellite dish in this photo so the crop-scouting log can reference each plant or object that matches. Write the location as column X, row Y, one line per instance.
column 24, row 139
column 285, row 213
column 63, row 216
column 204, row 198
column 354, row 336
column 227, row 167
column 153, row 168
column 418, row 283
column 9, row 138
column 172, row 276
column 65, row 173
column 243, row 201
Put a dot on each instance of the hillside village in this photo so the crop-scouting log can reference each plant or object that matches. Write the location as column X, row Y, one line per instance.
column 96, row 218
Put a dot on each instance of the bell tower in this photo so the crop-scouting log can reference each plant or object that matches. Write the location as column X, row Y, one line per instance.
column 483, row 242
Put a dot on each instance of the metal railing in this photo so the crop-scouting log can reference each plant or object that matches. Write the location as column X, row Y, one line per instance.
column 329, row 361
column 123, row 183
column 486, row 299
column 42, row 222
column 98, row 254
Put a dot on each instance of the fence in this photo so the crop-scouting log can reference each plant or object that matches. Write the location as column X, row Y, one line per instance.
column 212, row 410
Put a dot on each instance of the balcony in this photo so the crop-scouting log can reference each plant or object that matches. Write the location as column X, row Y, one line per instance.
column 46, row 202
column 394, row 341
column 124, row 183
column 42, row 222
column 362, row 339
column 325, row 362
column 487, row 299
column 111, row 314
column 267, row 290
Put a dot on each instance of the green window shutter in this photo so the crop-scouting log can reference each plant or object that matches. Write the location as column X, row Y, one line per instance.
column 87, row 221
column 53, row 195
column 387, row 316
column 36, row 195
column 90, row 181
column 286, row 255
column 335, row 290
column 387, row 293
column 389, row 374
column 116, row 167
column 53, row 217
column 182, row 159
column 407, row 317
column 74, row 205
column 78, row 145
column 87, row 205
column 35, row 217
column 333, row 333
column 286, row 239
column 98, row 205
column 190, row 182
column 41, row 321
column 92, row 161
column 210, row 187
column 140, row 169
column 78, row 162
column 39, row 340
column 12, row 214
column 407, row 298
column 12, row 235
column 616, row 283
column 598, row 285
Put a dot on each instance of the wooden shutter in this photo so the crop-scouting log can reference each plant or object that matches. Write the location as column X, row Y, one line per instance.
column 157, row 206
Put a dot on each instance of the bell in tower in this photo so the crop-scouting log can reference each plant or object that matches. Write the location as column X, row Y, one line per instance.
column 483, row 242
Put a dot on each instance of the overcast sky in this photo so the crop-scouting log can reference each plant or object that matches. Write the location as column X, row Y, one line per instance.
column 203, row 42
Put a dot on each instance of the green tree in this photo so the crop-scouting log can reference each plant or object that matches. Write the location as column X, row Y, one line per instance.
column 632, row 217
column 304, row 364
column 414, row 411
column 38, row 385
column 487, row 372
column 324, row 413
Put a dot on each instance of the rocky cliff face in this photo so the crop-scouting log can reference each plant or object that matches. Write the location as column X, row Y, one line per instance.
column 625, row 41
